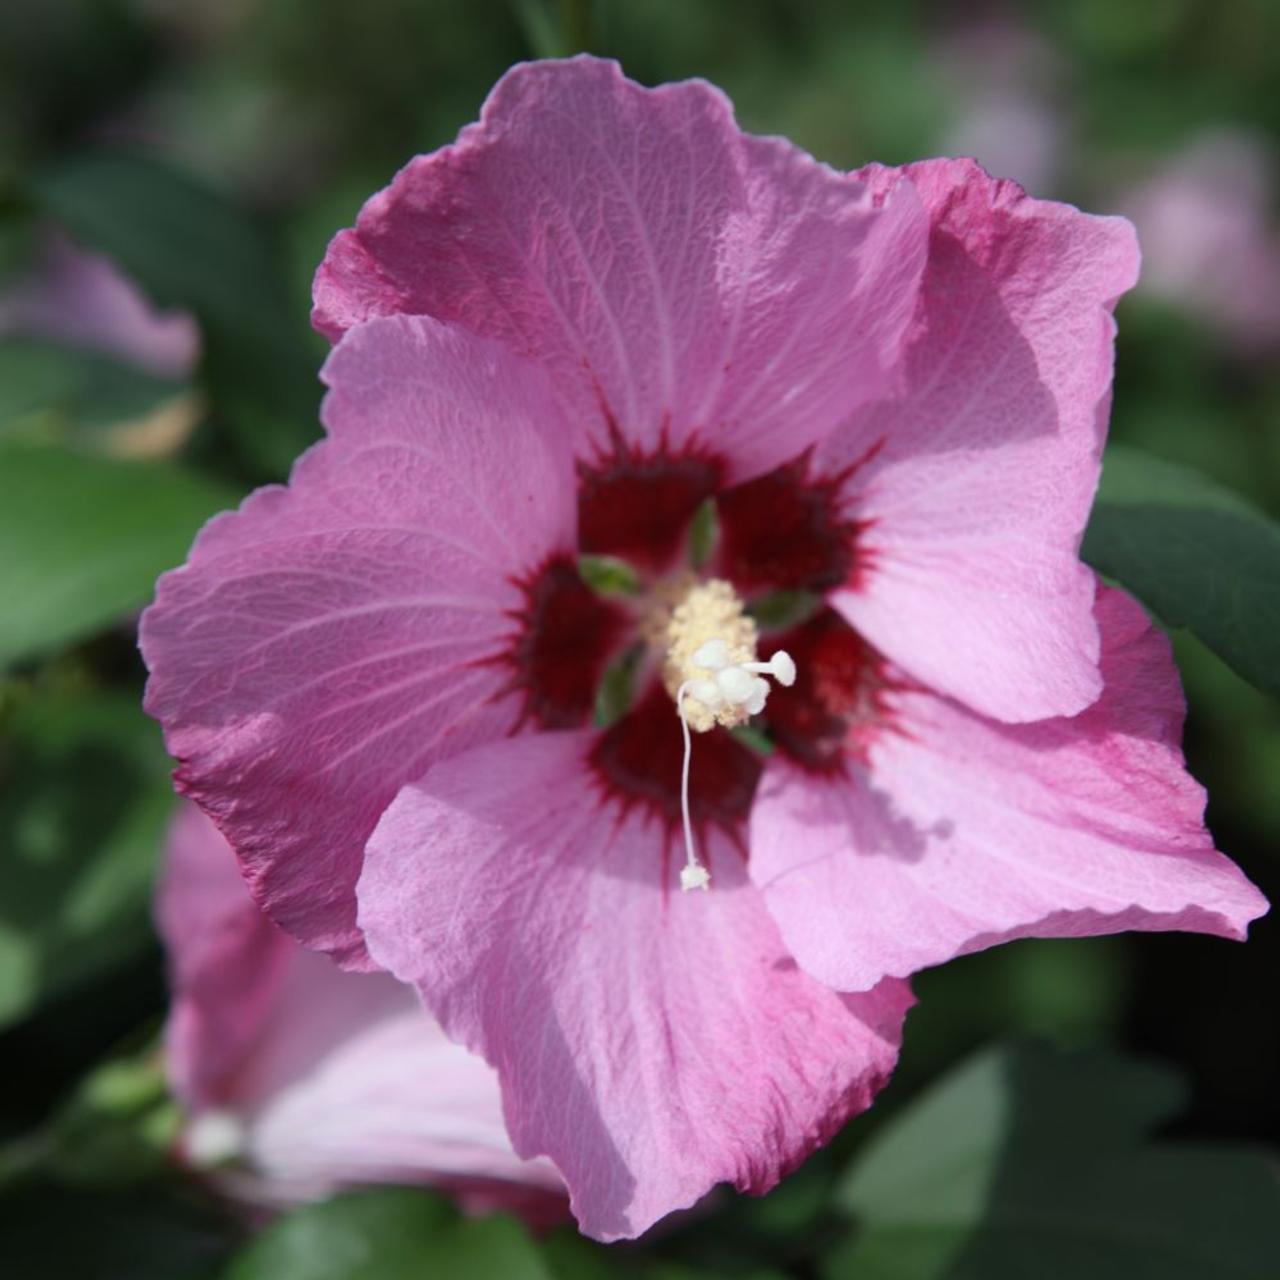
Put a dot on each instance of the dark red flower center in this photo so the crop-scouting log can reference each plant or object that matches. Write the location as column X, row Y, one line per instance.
column 785, row 530
column 567, row 635
column 638, row 761
column 837, row 699
column 639, row 506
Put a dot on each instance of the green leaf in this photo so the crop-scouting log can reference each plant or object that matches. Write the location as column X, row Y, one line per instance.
column 83, row 539
column 541, row 30
column 84, row 799
column 391, row 1234
column 1195, row 554
column 119, row 1126
column 1030, row 1163
column 189, row 248
column 569, row 1256
column 17, row 238
column 74, row 388
column 680, row 1271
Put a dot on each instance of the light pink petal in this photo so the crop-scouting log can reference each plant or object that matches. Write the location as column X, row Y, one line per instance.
column 686, row 283
column 960, row 832
column 226, row 960
column 976, row 479
column 322, row 1079
column 652, row 1043
column 81, row 299
column 356, row 1083
column 331, row 639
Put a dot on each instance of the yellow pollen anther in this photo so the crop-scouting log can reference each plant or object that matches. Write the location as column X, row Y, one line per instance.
column 709, row 612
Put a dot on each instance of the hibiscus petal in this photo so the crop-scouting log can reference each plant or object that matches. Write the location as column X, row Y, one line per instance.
column 226, row 960
column 329, row 640
column 356, row 1083
column 961, row 832
column 652, row 1043
column 324, row 1078
column 972, row 486
column 686, row 284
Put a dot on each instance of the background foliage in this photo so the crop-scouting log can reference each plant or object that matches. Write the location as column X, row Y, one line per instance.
column 210, row 147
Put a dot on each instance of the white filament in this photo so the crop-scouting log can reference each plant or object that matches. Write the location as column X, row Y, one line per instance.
column 738, row 683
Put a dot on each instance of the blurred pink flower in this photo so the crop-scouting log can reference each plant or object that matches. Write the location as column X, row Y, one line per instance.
column 1001, row 81
column 299, row 1079
column 81, row 299
column 600, row 309
column 1209, row 241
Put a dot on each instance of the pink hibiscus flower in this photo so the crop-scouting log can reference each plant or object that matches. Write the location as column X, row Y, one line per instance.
column 298, row 1078
column 601, row 309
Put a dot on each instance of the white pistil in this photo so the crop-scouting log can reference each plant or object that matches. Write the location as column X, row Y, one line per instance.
column 732, row 683
column 215, row 1137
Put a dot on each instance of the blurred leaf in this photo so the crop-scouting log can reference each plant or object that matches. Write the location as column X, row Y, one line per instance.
column 82, row 539
column 189, row 248
column 1195, row 554
column 51, row 1232
column 679, row 1271
column 84, row 797
column 545, row 36
column 569, row 1256
column 1234, row 740
column 1070, row 991
column 1029, row 1163
column 16, row 239
column 74, row 387
column 395, row 1233
column 119, row 1125
column 577, row 20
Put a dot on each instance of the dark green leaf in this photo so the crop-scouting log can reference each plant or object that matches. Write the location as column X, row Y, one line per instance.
column 118, row 1127
column 1195, row 554
column 17, row 236
column 72, row 388
column 84, row 797
column 681, row 1271
column 1068, row 990
column 541, row 30
column 390, row 1234
column 569, row 1256
column 188, row 248
column 82, row 540
column 1030, row 1163
column 52, row 1233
